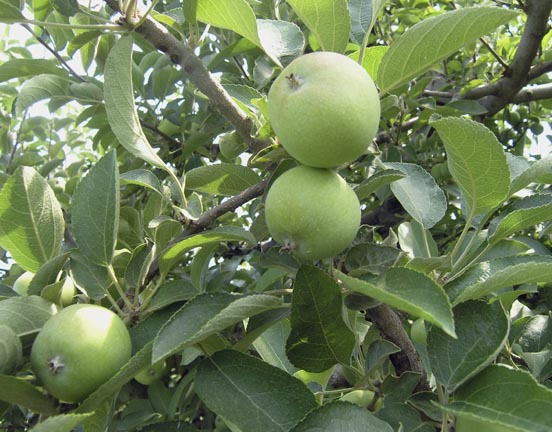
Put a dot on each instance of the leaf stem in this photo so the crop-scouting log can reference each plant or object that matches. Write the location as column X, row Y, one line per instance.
column 363, row 48
column 118, row 287
column 443, row 399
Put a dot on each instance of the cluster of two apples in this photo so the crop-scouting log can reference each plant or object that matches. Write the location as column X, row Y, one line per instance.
column 325, row 110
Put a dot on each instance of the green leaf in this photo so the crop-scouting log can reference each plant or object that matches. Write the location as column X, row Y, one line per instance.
column 40, row 87
column 505, row 397
column 60, row 423
column 371, row 258
column 328, row 21
column 341, row 417
column 409, row 291
column 319, row 337
column 235, row 15
column 379, row 179
column 523, row 213
column 18, row 392
column 434, row 39
column 93, row 279
column 119, row 104
column 144, row 178
column 378, row 351
column 281, row 40
column 252, row 394
column 18, row 68
column 417, row 241
column 476, row 161
column 206, row 315
column 363, row 17
column 47, row 274
column 481, row 329
column 9, row 13
column 219, row 234
column 419, row 194
column 538, row 172
column 95, row 211
column 66, row 8
column 489, row 276
column 26, row 315
column 11, row 350
column 221, row 179
column 189, row 8
column 31, row 220
column 271, row 345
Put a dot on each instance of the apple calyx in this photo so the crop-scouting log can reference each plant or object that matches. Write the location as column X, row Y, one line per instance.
column 55, row 365
column 294, row 81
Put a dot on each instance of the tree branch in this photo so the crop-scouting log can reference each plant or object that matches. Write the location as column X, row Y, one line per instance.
column 531, row 93
column 390, row 326
column 183, row 55
column 496, row 96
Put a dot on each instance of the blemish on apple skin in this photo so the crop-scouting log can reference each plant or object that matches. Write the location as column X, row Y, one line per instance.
column 294, row 81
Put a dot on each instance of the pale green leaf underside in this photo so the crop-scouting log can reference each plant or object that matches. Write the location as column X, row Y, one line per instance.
column 409, row 291
column 95, row 211
column 119, row 104
column 206, row 315
column 328, row 20
column 527, row 212
column 481, row 330
column 31, row 219
column 40, row 87
column 252, row 394
column 419, row 194
column 476, row 161
column 433, row 39
column 539, row 172
column 489, row 276
column 505, row 396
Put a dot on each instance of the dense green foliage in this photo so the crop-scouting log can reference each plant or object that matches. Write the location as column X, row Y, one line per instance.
column 134, row 161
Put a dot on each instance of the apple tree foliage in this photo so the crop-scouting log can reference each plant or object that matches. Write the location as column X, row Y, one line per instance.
column 142, row 179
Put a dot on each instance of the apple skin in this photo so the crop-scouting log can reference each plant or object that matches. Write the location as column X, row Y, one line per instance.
column 78, row 350
column 151, row 373
column 325, row 109
column 312, row 212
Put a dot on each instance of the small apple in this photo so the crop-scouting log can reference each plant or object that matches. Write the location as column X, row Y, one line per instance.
column 324, row 108
column 151, row 373
column 312, row 212
column 78, row 350
column 21, row 284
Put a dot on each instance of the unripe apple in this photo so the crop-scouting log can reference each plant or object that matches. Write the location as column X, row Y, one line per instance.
column 324, row 108
column 78, row 350
column 21, row 284
column 312, row 212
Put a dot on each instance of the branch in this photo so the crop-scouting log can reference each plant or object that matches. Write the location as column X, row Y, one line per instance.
column 230, row 205
column 390, row 326
column 496, row 96
column 531, row 93
column 183, row 55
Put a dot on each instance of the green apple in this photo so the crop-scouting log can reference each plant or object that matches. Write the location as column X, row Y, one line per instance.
column 21, row 284
column 359, row 397
column 78, row 350
column 61, row 292
column 312, row 212
column 324, row 109
column 151, row 373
